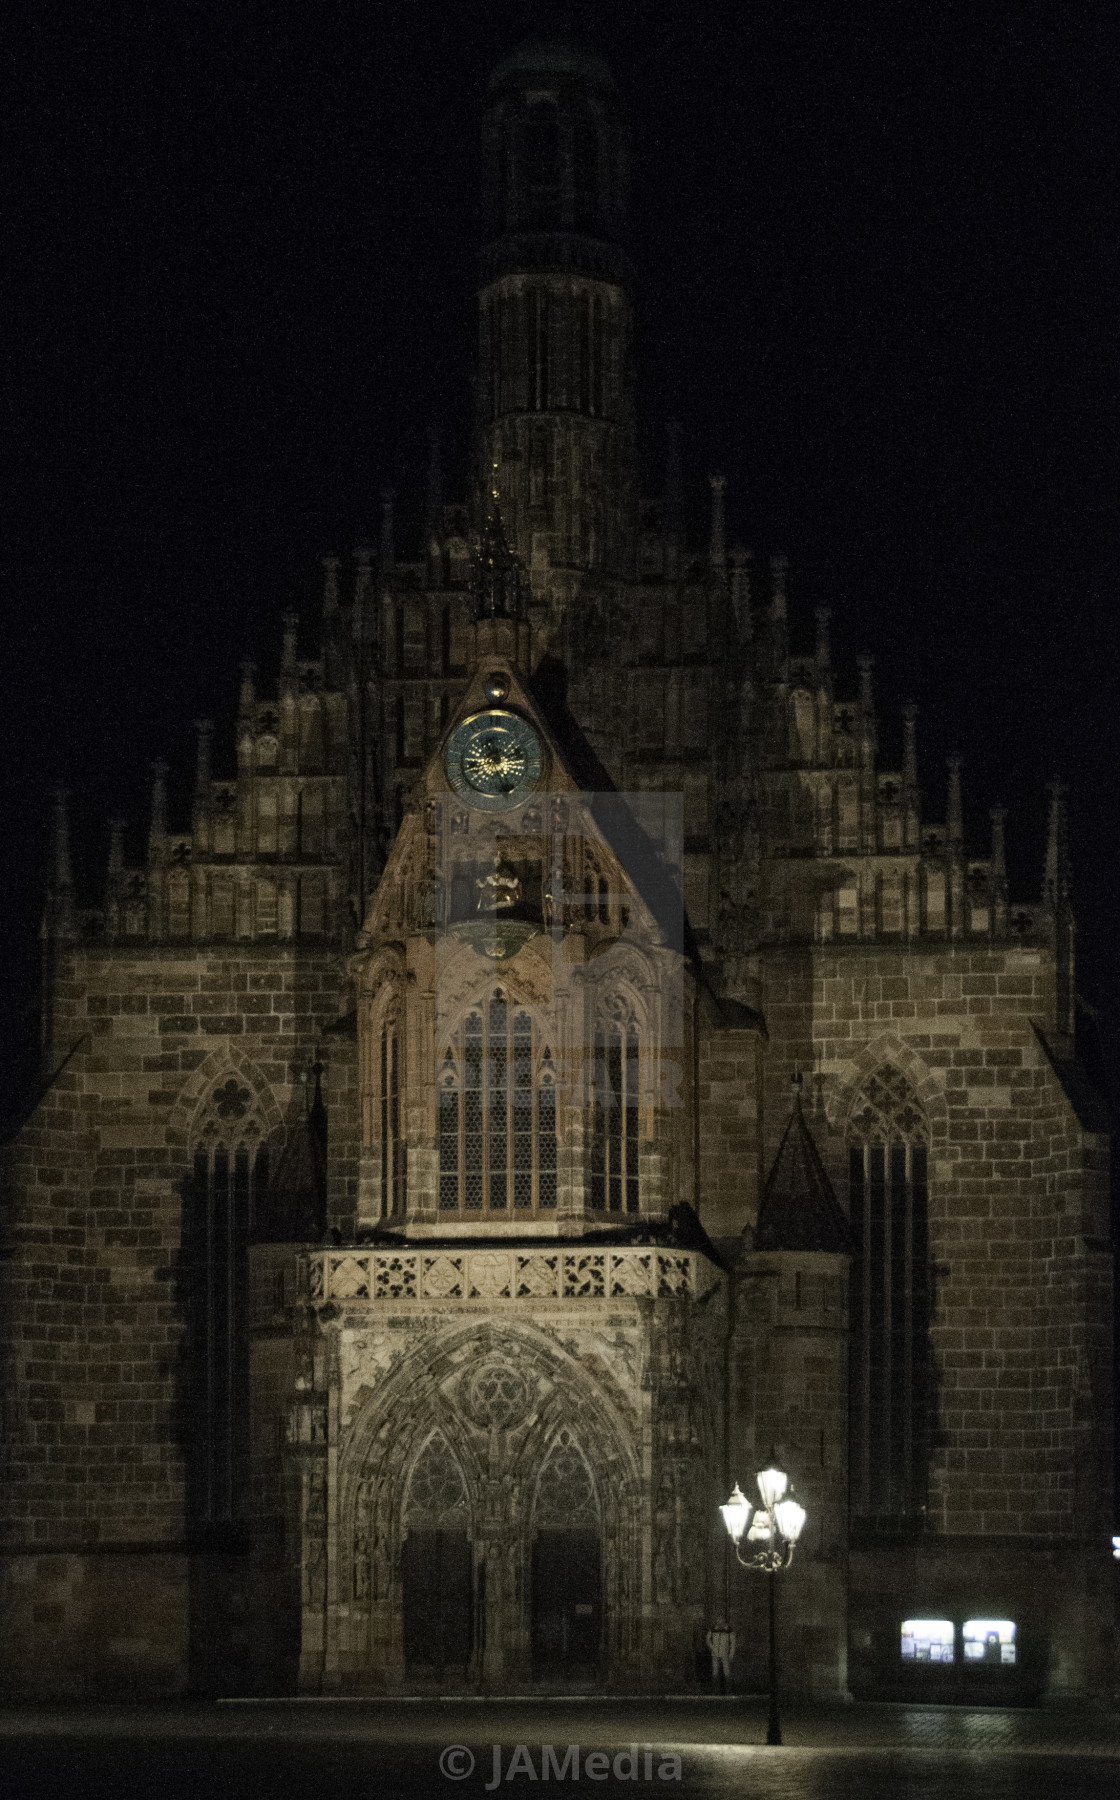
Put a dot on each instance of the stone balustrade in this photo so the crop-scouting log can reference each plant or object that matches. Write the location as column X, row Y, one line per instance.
column 381, row 1277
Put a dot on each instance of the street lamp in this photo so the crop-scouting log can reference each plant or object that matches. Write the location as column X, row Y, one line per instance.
column 771, row 1531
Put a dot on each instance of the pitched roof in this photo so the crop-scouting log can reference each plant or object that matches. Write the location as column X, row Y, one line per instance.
column 799, row 1209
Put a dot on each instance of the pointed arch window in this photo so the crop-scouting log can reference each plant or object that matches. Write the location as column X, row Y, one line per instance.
column 566, row 1496
column 229, row 1182
column 497, row 1115
column 615, row 1112
column 394, row 1149
column 437, row 1493
column 888, row 1138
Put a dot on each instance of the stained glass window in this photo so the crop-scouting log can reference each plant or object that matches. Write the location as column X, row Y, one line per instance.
column 394, row 1150
column 496, row 1096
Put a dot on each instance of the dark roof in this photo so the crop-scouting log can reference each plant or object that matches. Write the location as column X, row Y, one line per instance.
column 799, row 1209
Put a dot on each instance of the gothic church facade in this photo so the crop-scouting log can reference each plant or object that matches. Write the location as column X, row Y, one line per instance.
column 558, row 1065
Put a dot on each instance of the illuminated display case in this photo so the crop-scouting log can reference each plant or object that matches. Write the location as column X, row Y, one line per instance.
column 928, row 1640
column 989, row 1641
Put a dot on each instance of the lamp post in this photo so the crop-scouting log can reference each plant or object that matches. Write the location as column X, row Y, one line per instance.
column 772, row 1530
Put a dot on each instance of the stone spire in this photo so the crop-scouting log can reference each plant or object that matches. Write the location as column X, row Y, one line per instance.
column 499, row 575
column 200, row 810
column 954, row 844
column 1056, row 883
column 433, row 510
column 779, row 626
column 1056, row 886
column 291, row 641
column 157, row 830
column 717, row 539
column 823, row 617
column 799, row 1209
column 247, row 697
column 674, row 501
column 387, row 559
column 997, row 879
column 741, row 591
column 911, row 795
column 332, row 624
column 62, row 920
column 114, row 875
column 363, row 616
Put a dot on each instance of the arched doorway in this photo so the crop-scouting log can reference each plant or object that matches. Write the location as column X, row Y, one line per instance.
column 437, row 1566
column 567, row 1567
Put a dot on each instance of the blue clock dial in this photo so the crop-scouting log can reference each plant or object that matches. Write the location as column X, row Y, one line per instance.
column 494, row 760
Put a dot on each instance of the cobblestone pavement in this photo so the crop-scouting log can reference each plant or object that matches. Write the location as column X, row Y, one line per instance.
column 707, row 1749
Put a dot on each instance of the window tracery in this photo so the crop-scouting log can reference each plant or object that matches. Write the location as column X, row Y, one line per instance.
column 437, row 1494
column 497, row 1114
column 566, row 1494
column 229, row 1183
column 888, row 1136
column 615, row 1113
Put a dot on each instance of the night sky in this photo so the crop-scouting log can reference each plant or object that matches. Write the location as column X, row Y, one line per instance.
column 877, row 286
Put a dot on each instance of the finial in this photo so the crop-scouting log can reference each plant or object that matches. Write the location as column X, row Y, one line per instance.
column 434, row 521
column 60, row 917
column 741, row 590
column 62, row 873
column 158, row 828
column 116, row 844
column 865, row 664
column 1056, row 881
column 795, row 1085
column 673, row 490
column 248, row 695
column 388, row 555
column 997, row 877
column 717, row 541
column 954, row 819
column 291, row 637
column 779, row 570
column 823, row 616
column 205, row 730
column 330, row 588
column 910, row 744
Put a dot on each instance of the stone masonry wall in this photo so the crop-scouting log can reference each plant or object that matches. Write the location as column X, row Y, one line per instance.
column 91, row 1311
column 1018, row 1208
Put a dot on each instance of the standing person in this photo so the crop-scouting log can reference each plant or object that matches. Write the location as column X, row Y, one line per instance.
column 721, row 1643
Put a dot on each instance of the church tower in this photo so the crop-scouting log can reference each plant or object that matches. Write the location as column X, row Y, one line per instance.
column 555, row 321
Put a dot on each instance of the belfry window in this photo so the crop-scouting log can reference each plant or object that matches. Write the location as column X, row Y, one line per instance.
column 614, row 1134
column 394, row 1151
column 541, row 161
column 497, row 1115
column 888, row 1179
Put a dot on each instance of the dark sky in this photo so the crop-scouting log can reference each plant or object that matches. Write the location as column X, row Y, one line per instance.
column 878, row 286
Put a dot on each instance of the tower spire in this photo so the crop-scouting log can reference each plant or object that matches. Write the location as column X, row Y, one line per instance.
column 954, row 843
column 433, row 511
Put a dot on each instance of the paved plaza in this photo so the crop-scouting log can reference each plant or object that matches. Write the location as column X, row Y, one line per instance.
column 381, row 1749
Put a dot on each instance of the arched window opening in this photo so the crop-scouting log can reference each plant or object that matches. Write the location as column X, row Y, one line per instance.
column 541, row 162
column 567, row 1575
column 615, row 1121
column 228, row 1185
column 888, row 1183
column 566, row 1495
column 394, row 1150
column 436, row 1563
column 585, row 171
column 437, row 1493
column 497, row 1114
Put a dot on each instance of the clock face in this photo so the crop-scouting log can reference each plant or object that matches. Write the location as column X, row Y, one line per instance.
column 494, row 760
